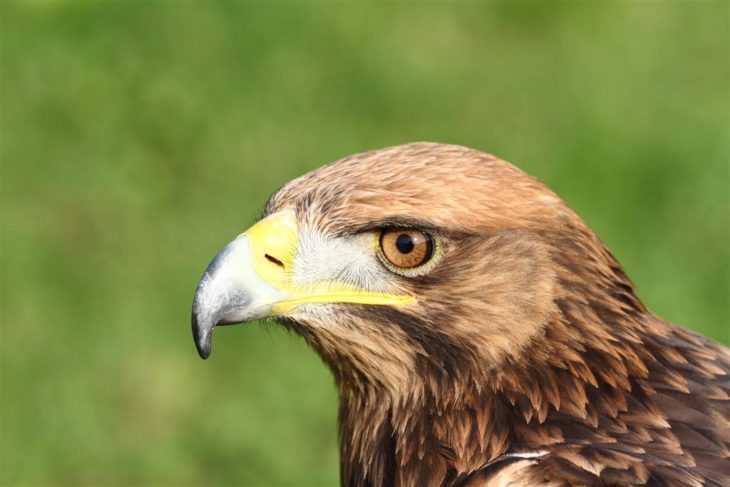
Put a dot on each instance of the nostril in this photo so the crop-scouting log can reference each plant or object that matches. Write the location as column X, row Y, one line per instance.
column 274, row 260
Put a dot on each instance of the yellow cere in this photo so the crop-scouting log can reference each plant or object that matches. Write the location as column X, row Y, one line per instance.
column 277, row 236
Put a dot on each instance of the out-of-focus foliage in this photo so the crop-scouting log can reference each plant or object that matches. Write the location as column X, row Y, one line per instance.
column 139, row 137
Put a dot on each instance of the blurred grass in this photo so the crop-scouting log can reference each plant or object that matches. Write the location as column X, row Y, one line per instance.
column 136, row 138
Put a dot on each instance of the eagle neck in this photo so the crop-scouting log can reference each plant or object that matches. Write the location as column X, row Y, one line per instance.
column 427, row 437
column 448, row 426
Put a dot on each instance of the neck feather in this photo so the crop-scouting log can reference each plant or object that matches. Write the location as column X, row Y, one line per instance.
column 569, row 375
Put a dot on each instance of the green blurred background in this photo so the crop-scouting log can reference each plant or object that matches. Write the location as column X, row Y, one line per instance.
column 139, row 137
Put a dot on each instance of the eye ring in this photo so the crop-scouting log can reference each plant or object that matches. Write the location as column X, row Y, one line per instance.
column 405, row 249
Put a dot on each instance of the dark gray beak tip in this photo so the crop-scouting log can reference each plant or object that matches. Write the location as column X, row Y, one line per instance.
column 202, row 337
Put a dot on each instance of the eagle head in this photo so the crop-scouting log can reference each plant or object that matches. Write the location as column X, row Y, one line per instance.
column 412, row 260
column 474, row 324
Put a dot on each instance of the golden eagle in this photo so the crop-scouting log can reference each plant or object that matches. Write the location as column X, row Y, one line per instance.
column 480, row 334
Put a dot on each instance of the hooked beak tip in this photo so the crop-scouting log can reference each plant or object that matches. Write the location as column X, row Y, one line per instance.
column 202, row 337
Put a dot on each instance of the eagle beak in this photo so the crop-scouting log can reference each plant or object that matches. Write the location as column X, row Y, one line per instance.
column 253, row 278
column 240, row 282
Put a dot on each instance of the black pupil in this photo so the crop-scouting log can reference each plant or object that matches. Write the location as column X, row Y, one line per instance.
column 405, row 244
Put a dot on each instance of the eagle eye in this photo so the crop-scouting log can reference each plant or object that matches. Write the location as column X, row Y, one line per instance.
column 406, row 248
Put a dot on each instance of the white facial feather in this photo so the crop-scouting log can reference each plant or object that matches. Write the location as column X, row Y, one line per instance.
column 348, row 259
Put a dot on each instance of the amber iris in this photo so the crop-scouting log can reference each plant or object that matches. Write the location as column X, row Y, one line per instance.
column 406, row 248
